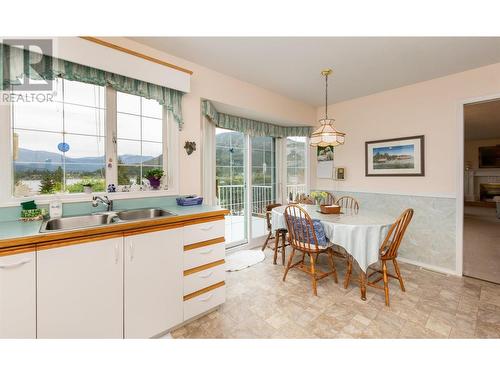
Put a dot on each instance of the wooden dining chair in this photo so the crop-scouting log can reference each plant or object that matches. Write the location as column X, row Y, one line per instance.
column 329, row 199
column 278, row 235
column 388, row 252
column 348, row 202
column 302, row 238
column 305, row 199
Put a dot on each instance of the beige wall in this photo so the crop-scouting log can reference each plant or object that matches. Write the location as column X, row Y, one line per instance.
column 471, row 150
column 208, row 84
column 430, row 108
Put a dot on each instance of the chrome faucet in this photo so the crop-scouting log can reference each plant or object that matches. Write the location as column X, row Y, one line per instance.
column 108, row 202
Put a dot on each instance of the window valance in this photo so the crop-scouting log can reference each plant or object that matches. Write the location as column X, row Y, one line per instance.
column 15, row 64
column 252, row 127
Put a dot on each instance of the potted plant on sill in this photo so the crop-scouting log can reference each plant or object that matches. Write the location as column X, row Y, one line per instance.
column 154, row 177
column 87, row 188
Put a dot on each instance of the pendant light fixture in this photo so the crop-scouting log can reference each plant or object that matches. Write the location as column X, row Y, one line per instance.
column 326, row 134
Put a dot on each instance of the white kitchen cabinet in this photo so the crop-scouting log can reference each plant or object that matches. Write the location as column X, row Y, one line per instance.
column 209, row 230
column 153, row 282
column 204, row 302
column 18, row 296
column 80, row 290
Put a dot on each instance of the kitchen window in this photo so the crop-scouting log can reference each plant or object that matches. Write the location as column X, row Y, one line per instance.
column 139, row 137
column 88, row 135
column 59, row 146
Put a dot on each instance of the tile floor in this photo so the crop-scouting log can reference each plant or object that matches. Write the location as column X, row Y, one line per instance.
column 260, row 305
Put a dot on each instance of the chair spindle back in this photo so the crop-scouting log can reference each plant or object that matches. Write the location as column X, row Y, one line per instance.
column 269, row 208
column 348, row 202
column 390, row 246
column 301, row 232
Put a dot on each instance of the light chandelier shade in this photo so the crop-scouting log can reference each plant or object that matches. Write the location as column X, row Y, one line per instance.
column 326, row 134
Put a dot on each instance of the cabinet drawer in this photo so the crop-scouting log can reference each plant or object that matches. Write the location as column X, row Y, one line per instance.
column 204, row 302
column 203, row 232
column 203, row 255
column 202, row 279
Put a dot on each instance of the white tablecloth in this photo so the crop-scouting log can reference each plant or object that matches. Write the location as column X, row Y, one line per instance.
column 360, row 234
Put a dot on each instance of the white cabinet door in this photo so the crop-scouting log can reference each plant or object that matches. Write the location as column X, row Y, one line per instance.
column 153, row 283
column 18, row 296
column 80, row 290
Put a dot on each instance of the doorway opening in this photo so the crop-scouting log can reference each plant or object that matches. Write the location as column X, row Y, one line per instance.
column 481, row 218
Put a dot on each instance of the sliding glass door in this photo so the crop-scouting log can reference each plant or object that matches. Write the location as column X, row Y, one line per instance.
column 245, row 183
column 296, row 149
column 230, row 182
column 263, row 176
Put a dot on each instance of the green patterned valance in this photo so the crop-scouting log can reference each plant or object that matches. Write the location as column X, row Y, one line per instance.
column 252, row 127
column 15, row 64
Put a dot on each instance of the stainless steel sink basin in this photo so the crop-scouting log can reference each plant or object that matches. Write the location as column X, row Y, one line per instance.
column 76, row 222
column 143, row 213
column 105, row 218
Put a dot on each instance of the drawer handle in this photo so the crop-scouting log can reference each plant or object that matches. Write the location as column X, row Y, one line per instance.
column 207, row 275
column 131, row 252
column 13, row 265
column 207, row 251
column 205, row 299
column 208, row 227
column 117, row 254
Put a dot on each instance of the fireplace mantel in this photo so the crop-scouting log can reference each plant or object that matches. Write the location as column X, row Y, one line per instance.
column 475, row 177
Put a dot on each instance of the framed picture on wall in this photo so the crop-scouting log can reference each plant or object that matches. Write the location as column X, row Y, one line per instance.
column 395, row 157
column 324, row 167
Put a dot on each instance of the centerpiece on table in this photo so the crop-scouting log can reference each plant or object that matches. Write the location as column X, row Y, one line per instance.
column 154, row 177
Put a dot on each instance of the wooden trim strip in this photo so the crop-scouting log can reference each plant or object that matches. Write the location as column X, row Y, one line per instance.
column 197, row 245
column 136, row 54
column 204, row 267
column 205, row 220
column 76, row 241
column 18, row 250
column 152, row 229
column 204, row 290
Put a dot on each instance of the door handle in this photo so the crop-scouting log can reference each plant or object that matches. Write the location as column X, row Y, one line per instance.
column 117, row 254
column 14, row 265
column 131, row 252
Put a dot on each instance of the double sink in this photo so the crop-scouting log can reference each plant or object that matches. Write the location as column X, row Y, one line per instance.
column 103, row 218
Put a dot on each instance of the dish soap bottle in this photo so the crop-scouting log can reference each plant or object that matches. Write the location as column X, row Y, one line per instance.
column 55, row 209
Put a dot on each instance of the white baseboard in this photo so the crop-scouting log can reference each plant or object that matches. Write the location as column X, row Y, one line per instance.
column 429, row 266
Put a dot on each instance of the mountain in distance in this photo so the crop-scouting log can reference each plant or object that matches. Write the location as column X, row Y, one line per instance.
column 34, row 159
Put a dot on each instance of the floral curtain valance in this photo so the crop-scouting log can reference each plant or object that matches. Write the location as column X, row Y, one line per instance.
column 252, row 127
column 15, row 64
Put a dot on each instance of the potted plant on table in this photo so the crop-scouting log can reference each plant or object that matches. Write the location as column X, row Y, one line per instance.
column 319, row 197
column 154, row 177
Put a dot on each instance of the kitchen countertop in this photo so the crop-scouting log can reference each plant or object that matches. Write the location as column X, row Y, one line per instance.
column 19, row 233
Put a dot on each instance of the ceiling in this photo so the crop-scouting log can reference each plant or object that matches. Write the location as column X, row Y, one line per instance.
column 482, row 120
column 291, row 66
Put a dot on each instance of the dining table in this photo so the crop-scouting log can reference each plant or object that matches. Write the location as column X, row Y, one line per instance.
column 360, row 232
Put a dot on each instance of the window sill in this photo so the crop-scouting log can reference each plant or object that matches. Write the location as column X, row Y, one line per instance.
column 83, row 197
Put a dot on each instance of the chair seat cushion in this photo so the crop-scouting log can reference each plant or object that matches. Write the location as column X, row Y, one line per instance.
column 318, row 230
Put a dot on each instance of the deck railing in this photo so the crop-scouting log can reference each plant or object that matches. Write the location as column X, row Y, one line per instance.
column 232, row 197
